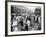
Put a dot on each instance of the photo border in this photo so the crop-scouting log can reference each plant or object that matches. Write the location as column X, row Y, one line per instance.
column 6, row 16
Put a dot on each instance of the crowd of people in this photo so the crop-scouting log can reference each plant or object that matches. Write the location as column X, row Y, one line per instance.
column 26, row 22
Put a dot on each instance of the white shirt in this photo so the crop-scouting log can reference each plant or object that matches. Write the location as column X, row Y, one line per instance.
column 16, row 29
column 28, row 22
column 14, row 23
